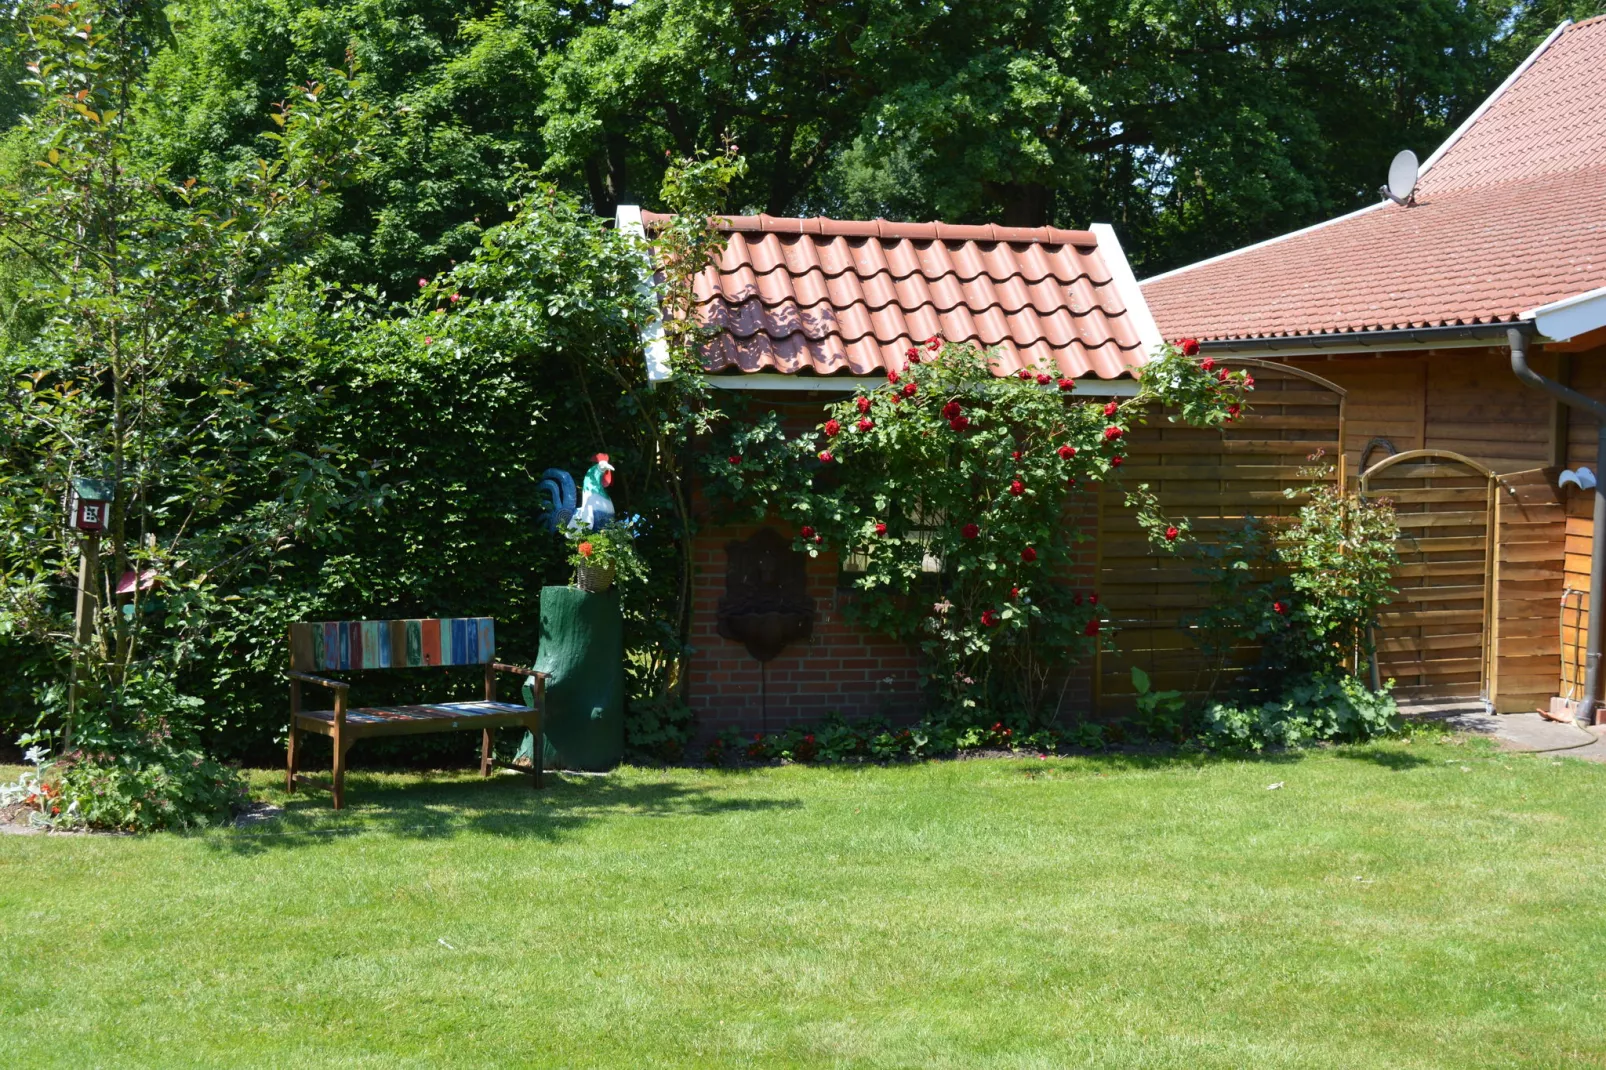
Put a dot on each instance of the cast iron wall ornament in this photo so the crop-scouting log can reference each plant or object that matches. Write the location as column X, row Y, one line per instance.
column 766, row 604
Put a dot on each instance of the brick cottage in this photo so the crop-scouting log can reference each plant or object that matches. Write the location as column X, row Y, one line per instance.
column 812, row 309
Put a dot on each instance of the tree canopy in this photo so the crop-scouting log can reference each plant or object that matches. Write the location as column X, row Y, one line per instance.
column 1194, row 126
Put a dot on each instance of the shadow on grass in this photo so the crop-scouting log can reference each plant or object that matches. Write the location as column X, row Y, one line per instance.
column 424, row 806
column 1388, row 759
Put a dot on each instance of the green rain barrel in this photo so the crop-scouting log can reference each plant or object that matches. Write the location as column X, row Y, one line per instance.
column 582, row 652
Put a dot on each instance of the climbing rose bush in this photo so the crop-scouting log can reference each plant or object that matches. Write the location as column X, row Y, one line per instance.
column 947, row 489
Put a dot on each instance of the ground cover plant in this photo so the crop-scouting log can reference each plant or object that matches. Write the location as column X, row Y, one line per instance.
column 1399, row 904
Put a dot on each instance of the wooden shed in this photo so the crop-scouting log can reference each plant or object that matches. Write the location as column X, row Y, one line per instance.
column 1407, row 308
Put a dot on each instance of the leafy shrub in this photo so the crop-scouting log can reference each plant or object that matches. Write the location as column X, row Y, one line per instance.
column 658, row 729
column 1332, row 707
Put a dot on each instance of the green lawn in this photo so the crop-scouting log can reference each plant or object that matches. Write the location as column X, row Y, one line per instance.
column 1398, row 905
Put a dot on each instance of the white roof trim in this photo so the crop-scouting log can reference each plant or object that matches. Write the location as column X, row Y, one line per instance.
column 1126, row 284
column 1571, row 316
column 847, row 384
column 1431, row 160
column 627, row 218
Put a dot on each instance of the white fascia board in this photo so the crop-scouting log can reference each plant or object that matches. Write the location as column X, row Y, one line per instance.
column 1438, row 154
column 1571, row 316
column 1126, row 284
column 848, row 384
column 1346, row 346
column 627, row 219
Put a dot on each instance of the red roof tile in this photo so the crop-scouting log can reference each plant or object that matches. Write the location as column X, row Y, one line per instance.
column 834, row 296
column 1512, row 215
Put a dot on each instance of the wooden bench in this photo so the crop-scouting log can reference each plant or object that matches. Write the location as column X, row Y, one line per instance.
column 359, row 645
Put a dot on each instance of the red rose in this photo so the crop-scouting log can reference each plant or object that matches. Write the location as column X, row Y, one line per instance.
column 1014, row 593
column 455, row 298
column 1028, row 555
column 1112, row 433
column 1067, row 384
column 1043, row 380
column 933, row 342
column 1249, row 382
column 1221, row 376
column 959, row 423
column 864, row 404
column 1109, row 410
column 950, row 410
column 988, row 618
column 1233, row 411
column 895, row 399
column 970, row 531
column 892, row 375
column 1171, row 534
column 1115, row 462
column 734, row 459
column 1279, row 608
column 1076, row 600
column 1208, row 364
column 1015, row 456
column 1093, row 599
column 866, row 424
column 819, row 539
column 1017, row 488
column 1189, row 347
column 806, row 531
column 1066, row 452
column 422, row 283
column 1092, row 627
column 1023, row 374
column 825, row 457
column 913, row 354
column 428, row 340
column 832, row 427
column 909, row 390
column 880, row 528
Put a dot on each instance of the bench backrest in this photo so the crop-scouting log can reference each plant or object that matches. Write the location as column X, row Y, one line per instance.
column 391, row 644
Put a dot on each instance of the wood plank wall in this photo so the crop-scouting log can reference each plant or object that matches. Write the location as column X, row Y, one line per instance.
column 1531, row 523
column 1217, row 478
column 1585, row 370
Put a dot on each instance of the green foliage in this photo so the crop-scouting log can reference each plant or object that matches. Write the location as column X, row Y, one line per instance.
column 1309, row 710
column 947, row 489
column 612, row 547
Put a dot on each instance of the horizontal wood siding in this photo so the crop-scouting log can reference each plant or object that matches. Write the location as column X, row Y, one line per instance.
column 1529, row 577
column 1217, row 478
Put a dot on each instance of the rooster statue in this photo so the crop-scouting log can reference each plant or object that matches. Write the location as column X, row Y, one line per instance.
column 595, row 509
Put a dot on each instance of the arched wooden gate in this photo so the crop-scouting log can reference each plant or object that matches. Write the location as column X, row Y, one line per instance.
column 1433, row 639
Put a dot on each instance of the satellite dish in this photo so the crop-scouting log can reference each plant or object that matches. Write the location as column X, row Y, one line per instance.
column 1402, row 177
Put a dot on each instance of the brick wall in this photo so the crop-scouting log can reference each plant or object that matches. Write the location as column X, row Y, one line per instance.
column 841, row 668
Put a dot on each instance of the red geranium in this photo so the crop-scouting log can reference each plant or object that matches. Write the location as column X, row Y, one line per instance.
column 1066, row 452
column 1189, row 347
column 970, row 531
column 1028, row 555
column 586, row 549
column 832, row 427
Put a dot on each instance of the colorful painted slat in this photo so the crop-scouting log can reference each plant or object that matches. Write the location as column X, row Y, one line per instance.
column 391, row 644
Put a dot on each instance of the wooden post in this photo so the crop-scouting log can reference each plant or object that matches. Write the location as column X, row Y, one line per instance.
column 339, row 778
column 292, row 758
column 84, row 629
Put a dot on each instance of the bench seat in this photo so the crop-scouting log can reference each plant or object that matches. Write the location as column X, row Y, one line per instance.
column 400, row 720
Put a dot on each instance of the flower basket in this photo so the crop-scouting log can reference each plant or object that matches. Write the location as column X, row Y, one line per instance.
column 593, row 579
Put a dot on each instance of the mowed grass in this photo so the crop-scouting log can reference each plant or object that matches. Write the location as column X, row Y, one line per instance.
column 1426, row 904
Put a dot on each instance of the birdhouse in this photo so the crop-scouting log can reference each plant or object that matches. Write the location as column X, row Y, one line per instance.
column 89, row 504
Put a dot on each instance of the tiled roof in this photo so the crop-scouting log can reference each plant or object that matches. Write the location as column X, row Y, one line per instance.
column 1512, row 215
column 831, row 296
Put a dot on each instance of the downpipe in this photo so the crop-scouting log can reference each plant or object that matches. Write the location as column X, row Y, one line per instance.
column 1517, row 337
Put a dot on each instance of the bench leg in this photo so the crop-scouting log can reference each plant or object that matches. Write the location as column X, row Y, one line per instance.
column 485, row 753
column 538, row 752
column 292, row 758
column 338, row 782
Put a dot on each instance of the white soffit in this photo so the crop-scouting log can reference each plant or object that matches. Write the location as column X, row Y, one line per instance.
column 1571, row 316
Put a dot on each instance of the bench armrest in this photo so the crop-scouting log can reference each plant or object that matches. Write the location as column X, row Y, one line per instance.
column 522, row 670
column 321, row 681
